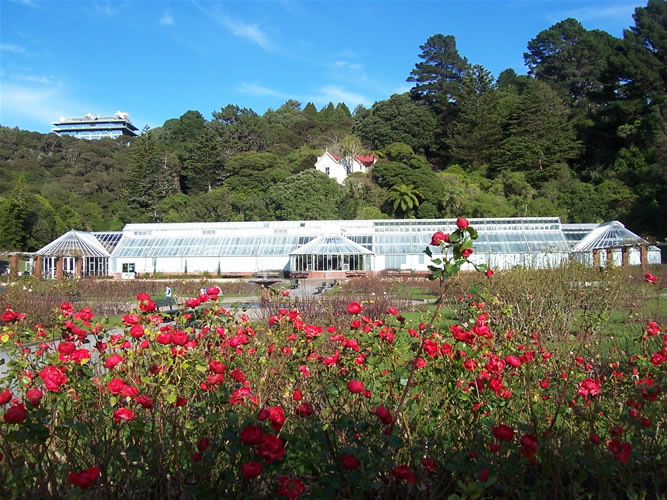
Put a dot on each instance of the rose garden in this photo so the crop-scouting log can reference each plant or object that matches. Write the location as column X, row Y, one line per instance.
column 534, row 384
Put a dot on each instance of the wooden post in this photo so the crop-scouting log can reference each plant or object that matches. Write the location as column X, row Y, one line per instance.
column 59, row 268
column 596, row 259
column 79, row 267
column 643, row 257
column 37, row 271
column 610, row 257
column 14, row 266
column 626, row 256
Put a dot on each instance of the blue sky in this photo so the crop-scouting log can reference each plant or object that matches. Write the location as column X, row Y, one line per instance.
column 156, row 60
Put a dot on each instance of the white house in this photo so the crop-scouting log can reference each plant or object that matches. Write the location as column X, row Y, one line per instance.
column 339, row 168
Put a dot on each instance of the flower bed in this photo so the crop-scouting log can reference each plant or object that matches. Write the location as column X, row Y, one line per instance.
column 218, row 406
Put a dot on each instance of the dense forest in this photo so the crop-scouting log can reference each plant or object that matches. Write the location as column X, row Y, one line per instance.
column 582, row 136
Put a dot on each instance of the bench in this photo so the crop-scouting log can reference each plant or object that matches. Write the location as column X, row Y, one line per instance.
column 168, row 301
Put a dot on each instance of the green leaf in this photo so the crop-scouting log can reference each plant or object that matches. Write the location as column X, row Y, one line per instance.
column 436, row 261
column 201, row 368
column 428, row 251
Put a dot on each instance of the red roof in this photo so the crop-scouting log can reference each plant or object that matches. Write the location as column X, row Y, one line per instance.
column 337, row 158
column 366, row 159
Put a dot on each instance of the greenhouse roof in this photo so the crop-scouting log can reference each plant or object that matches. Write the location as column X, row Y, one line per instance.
column 382, row 237
column 75, row 244
column 109, row 240
column 331, row 245
column 609, row 235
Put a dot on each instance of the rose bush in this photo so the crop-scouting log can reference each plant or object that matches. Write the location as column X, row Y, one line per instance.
column 214, row 405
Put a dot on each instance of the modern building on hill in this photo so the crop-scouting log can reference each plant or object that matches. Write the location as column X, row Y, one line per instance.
column 96, row 127
column 338, row 167
column 333, row 248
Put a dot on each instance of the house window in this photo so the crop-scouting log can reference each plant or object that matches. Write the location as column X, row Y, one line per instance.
column 327, row 170
column 128, row 267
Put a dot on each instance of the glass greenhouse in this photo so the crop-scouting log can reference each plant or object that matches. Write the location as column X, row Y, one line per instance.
column 77, row 254
column 339, row 247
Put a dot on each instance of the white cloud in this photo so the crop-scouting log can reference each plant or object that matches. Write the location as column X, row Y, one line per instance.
column 40, row 104
column 340, row 64
column 618, row 12
column 167, row 19
column 40, row 80
column 105, row 9
column 253, row 89
column 10, row 47
column 27, row 3
column 334, row 93
column 239, row 28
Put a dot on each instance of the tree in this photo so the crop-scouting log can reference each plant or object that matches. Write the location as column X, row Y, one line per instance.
column 398, row 119
column 252, row 172
column 139, row 187
column 204, row 166
column 308, row 195
column 14, row 212
column 404, row 199
column 478, row 127
column 570, row 58
column 438, row 78
column 539, row 134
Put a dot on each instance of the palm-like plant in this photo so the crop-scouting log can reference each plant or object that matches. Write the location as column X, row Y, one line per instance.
column 404, row 198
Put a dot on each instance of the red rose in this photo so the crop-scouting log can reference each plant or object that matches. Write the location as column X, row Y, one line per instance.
column 66, row 348
column 202, row 444
column 462, row 223
column 16, row 414
column 144, row 401
column 350, row 462
column 513, row 361
column 484, row 475
column 383, row 414
column 650, row 278
column 52, row 377
column 5, row 397
column 305, row 409
column 355, row 386
column 123, row 415
column 489, row 273
column 34, row 395
column 216, row 366
column 163, row 338
column 251, row 469
column 429, row 464
column 252, row 435
column 403, row 472
column 84, row 478
column 137, row 331
column 8, row 316
column 277, row 417
column 589, row 387
column 297, row 395
column 115, row 386
column 466, row 252
column 290, row 487
column 503, row 432
column 270, row 449
column 354, row 308
column 437, row 238
column 113, row 360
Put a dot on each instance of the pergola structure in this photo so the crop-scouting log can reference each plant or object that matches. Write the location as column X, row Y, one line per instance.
column 329, row 254
column 612, row 244
column 76, row 254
